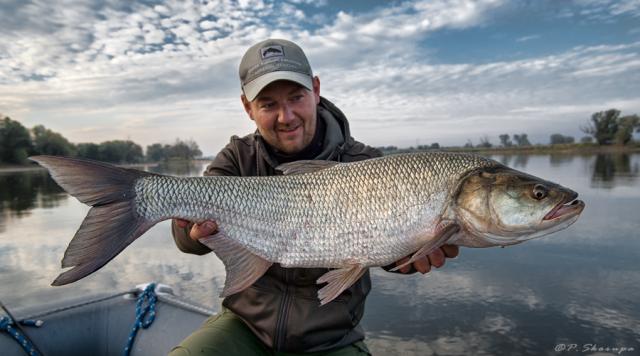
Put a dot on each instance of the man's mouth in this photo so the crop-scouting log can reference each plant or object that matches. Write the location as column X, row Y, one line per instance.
column 289, row 129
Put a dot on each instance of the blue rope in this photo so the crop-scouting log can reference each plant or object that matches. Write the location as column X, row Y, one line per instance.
column 6, row 325
column 148, row 295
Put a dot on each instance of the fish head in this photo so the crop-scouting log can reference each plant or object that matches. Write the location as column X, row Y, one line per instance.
column 503, row 206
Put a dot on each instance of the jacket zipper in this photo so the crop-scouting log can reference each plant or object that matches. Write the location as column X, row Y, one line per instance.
column 283, row 316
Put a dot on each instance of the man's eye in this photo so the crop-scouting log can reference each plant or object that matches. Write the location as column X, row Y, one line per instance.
column 266, row 106
column 297, row 97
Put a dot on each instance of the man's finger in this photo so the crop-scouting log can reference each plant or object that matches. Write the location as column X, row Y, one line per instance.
column 436, row 258
column 182, row 223
column 204, row 229
column 406, row 268
column 422, row 265
column 450, row 251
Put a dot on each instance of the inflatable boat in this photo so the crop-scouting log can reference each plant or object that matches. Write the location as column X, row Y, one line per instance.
column 147, row 320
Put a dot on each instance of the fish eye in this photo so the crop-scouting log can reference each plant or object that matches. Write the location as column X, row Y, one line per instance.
column 539, row 192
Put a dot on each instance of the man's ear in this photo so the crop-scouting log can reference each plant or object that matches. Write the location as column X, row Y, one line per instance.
column 316, row 89
column 247, row 106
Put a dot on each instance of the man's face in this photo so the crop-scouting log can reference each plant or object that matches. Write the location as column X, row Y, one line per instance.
column 285, row 113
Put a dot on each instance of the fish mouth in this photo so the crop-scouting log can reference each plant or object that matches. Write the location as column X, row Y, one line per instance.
column 570, row 206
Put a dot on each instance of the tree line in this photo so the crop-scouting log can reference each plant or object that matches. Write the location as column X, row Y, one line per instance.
column 605, row 128
column 608, row 127
column 17, row 143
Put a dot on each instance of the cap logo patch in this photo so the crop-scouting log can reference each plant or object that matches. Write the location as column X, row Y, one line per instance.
column 271, row 51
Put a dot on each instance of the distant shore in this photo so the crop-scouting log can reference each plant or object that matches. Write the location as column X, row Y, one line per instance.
column 569, row 149
column 35, row 167
column 572, row 149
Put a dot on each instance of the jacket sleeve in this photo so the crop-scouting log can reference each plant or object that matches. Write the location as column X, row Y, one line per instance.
column 358, row 151
column 224, row 164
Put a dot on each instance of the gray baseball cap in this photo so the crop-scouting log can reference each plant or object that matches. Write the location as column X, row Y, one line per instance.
column 271, row 60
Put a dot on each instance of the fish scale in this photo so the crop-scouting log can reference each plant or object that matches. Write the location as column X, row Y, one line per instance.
column 285, row 219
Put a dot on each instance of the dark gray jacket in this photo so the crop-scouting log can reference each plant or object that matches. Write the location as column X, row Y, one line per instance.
column 282, row 308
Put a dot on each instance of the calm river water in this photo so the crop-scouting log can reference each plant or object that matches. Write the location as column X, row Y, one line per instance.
column 576, row 288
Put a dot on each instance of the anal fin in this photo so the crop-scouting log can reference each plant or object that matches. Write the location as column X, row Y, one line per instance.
column 443, row 234
column 242, row 266
column 337, row 281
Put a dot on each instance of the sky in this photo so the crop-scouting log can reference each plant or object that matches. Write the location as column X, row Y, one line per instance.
column 405, row 73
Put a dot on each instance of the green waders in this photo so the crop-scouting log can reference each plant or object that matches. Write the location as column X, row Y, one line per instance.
column 225, row 334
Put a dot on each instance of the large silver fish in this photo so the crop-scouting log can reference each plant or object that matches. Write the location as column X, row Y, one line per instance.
column 347, row 216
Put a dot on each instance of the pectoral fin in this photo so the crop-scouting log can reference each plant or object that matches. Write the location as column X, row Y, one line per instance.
column 243, row 267
column 337, row 281
column 443, row 234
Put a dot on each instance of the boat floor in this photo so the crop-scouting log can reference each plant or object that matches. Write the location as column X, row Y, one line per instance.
column 101, row 324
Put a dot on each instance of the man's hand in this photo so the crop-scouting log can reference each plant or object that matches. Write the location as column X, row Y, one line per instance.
column 198, row 231
column 435, row 259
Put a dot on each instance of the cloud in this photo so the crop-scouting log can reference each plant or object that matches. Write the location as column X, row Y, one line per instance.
column 316, row 3
column 631, row 7
column 392, row 31
column 154, row 36
column 528, row 38
column 118, row 70
column 569, row 86
column 606, row 10
column 207, row 25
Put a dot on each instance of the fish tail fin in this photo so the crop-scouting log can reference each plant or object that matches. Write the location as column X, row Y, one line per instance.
column 112, row 222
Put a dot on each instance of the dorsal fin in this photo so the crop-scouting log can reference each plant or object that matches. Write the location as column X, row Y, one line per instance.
column 304, row 166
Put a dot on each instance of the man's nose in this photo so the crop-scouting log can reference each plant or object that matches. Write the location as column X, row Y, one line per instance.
column 286, row 114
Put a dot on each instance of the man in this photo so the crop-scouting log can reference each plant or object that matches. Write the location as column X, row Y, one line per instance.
column 280, row 312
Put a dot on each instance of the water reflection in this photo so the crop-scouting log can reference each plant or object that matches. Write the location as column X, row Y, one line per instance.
column 178, row 168
column 585, row 281
column 610, row 170
column 39, row 219
column 558, row 160
column 22, row 191
column 514, row 161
